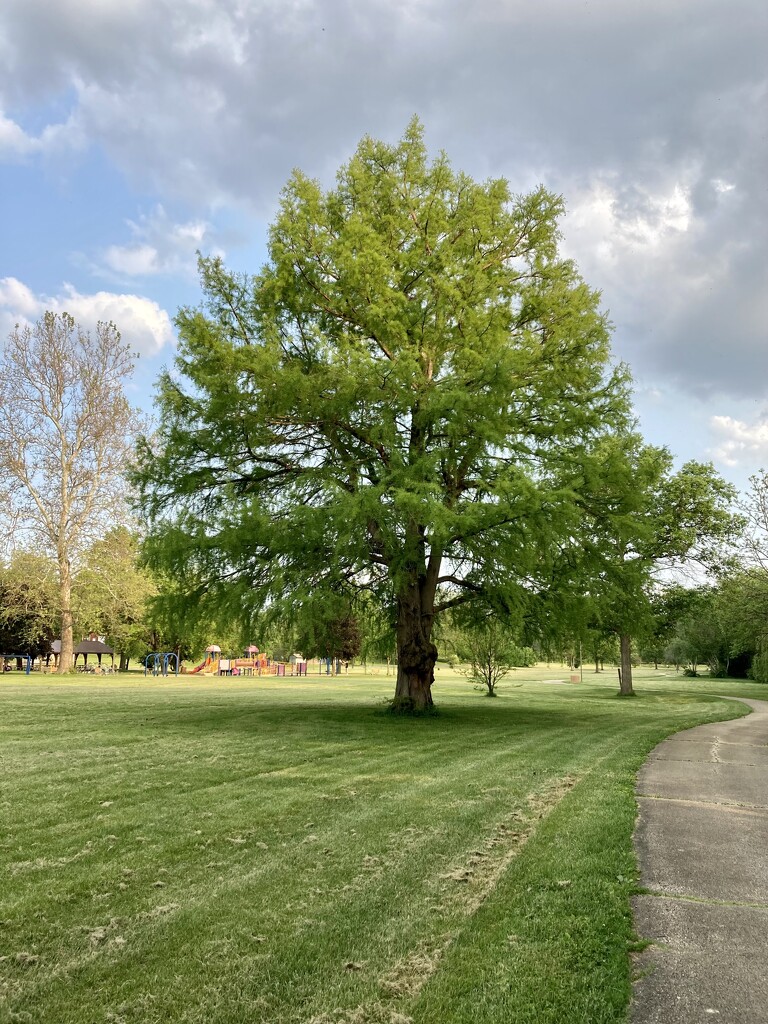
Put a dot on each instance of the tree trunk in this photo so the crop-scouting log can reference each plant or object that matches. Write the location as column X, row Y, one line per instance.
column 416, row 654
column 65, row 599
column 626, row 666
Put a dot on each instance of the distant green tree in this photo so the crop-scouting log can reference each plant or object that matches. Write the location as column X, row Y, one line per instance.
column 669, row 603
column 598, row 646
column 377, row 632
column 336, row 637
column 170, row 628
column 405, row 400
column 112, row 594
column 744, row 607
column 703, row 634
column 648, row 522
column 746, row 589
column 29, row 607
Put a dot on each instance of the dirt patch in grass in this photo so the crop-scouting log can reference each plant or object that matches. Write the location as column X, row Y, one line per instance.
column 407, row 978
column 477, row 875
column 373, row 1013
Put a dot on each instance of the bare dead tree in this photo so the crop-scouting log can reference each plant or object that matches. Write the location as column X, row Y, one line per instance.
column 66, row 435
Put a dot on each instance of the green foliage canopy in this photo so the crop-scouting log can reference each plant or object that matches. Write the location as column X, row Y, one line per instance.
column 113, row 594
column 29, row 617
column 647, row 522
column 403, row 400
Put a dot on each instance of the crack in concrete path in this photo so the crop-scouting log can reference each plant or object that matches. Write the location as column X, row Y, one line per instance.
column 702, row 900
column 720, row 804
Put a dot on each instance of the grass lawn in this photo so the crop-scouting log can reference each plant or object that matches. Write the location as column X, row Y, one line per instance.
column 241, row 851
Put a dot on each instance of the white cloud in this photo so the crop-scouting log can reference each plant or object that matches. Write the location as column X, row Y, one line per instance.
column 740, row 443
column 686, row 280
column 610, row 230
column 653, row 396
column 132, row 259
column 17, row 298
column 14, row 141
column 142, row 323
column 16, row 144
column 159, row 246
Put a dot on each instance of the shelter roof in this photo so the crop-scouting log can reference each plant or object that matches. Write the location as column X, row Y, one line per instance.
column 84, row 647
column 92, row 647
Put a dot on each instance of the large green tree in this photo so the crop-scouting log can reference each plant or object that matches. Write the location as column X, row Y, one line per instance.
column 396, row 402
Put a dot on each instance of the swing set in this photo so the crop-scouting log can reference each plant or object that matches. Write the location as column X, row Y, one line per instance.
column 18, row 658
column 158, row 663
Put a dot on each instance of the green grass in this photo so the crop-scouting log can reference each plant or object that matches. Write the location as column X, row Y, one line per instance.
column 203, row 851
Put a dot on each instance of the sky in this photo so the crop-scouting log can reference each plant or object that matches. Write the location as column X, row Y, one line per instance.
column 135, row 133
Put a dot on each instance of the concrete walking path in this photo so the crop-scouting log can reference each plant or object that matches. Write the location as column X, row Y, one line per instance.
column 702, row 844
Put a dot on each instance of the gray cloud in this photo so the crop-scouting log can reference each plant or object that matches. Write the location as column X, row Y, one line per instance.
column 649, row 117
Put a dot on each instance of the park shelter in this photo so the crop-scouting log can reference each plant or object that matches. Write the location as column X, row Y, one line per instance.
column 85, row 647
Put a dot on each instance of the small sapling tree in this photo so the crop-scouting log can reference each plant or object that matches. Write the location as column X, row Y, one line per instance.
column 492, row 652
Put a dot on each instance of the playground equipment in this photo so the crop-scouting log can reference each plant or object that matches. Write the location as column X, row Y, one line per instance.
column 4, row 658
column 210, row 664
column 161, row 662
column 253, row 663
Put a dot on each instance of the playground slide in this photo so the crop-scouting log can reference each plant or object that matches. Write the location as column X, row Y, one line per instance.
column 208, row 665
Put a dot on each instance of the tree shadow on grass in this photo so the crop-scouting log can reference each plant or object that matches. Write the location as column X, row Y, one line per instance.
column 355, row 720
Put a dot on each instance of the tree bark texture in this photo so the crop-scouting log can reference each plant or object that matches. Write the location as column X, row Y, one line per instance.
column 416, row 654
column 626, row 666
column 65, row 598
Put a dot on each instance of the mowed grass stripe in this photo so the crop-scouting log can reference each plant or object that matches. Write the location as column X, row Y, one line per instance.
column 551, row 946
column 328, row 863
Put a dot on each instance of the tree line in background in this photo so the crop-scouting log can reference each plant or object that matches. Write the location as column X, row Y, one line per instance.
column 720, row 628
column 403, row 439
column 111, row 596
